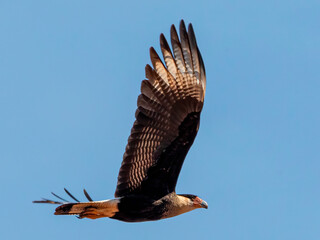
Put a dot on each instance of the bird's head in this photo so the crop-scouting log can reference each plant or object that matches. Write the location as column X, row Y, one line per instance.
column 196, row 201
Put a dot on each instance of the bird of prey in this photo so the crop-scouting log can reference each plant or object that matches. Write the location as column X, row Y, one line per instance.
column 167, row 122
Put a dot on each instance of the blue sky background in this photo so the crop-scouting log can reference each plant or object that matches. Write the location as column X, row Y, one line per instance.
column 70, row 74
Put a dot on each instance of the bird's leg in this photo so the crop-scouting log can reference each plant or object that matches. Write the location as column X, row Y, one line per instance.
column 92, row 213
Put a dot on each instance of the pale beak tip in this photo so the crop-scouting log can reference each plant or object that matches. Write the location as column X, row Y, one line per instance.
column 204, row 204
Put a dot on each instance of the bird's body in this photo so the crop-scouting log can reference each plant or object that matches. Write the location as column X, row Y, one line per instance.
column 134, row 208
column 139, row 208
column 167, row 122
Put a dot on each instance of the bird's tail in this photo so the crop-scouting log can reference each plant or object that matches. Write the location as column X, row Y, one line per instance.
column 91, row 209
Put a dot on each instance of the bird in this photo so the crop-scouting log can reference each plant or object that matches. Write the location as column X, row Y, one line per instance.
column 166, row 123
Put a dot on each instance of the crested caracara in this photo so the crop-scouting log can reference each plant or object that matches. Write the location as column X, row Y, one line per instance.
column 167, row 122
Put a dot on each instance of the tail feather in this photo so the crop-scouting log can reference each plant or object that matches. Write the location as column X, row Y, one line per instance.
column 47, row 201
column 87, row 195
column 58, row 197
column 71, row 195
column 44, row 200
column 91, row 209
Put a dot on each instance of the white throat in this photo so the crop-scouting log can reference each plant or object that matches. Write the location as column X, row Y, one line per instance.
column 180, row 205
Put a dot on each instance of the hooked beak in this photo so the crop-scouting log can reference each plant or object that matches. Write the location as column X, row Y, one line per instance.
column 204, row 204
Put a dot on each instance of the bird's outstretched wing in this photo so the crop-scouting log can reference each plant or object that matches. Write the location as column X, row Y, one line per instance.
column 167, row 118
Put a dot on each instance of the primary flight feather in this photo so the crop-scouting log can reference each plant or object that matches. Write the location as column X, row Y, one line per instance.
column 167, row 122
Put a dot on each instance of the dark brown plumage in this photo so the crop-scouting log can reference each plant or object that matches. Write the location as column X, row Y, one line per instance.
column 167, row 122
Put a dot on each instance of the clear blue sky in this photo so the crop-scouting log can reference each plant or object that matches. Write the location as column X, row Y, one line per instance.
column 70, row 74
